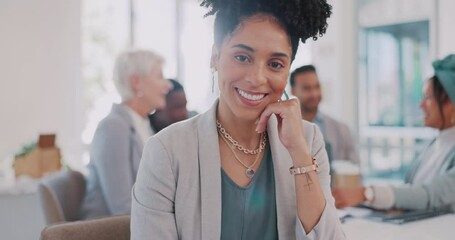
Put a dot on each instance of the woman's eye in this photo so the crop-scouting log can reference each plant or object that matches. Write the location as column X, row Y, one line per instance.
column 276, row 65
column 241, row 58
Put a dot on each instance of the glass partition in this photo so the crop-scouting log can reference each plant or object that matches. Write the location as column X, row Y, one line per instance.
column 396, row 46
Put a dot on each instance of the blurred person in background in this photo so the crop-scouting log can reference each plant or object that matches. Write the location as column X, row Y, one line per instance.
column 431, row 180
column 174, row 111
column 338, row 139
column 117, row 145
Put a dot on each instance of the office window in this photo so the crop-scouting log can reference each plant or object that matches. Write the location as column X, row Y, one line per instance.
column 395, row 60
column 396, row 46
column 105, row 32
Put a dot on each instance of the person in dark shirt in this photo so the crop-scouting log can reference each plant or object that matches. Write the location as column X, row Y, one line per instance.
column 174, row 111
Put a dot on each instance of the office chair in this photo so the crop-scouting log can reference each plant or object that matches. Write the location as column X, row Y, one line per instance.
column 108, row 228
column 61, row 195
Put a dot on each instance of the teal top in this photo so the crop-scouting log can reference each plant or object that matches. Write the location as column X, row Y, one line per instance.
column 250, row 212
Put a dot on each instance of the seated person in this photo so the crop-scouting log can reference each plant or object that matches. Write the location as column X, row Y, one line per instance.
column 337, row 136
column 117, row 145
column 174, row 111
column 432, row 180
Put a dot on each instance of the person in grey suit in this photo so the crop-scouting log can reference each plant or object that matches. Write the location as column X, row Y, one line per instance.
column 250, row 167
column 117, row 145
column 338, row 138
column 431, row 181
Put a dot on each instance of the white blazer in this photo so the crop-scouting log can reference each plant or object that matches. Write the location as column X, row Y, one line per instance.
column 177, row 194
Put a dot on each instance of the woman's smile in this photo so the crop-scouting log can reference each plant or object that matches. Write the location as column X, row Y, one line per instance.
column 250, row 98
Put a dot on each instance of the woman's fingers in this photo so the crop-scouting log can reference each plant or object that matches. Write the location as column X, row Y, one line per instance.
column 263, row 119
column 289, row 121
column 280, row 109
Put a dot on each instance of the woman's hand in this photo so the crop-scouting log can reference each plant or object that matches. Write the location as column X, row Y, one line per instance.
column 348, row 197
column 290, row 127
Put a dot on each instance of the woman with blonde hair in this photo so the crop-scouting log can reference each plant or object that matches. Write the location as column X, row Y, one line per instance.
column 116, row 148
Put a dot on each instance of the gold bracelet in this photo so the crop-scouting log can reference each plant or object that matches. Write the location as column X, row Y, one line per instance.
column 301, row 170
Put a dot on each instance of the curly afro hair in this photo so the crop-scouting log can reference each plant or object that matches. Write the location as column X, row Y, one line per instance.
column 301, row 19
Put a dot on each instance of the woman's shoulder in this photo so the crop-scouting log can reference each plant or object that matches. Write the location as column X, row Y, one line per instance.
column 313, row 135
column 113, row 122
column 177, row 144
column 186, row 129
column 311, row 129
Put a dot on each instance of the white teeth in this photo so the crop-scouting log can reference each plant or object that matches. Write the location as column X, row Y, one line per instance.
column 252, row 97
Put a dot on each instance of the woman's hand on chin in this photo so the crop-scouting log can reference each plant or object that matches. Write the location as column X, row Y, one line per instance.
column 290, row 128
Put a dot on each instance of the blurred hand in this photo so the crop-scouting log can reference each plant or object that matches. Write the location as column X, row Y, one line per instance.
column 348, row 197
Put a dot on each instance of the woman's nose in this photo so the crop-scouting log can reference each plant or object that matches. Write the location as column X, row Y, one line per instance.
column 422, row 103
column 258, row 75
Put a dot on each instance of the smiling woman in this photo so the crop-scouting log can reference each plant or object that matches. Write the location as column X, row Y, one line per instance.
column 225, row 173
column 431, row 180
column 252, row 66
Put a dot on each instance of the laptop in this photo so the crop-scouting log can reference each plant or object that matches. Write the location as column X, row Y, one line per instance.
column 405, row 216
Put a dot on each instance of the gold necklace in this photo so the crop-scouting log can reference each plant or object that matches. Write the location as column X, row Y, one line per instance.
column 249, row 169
column 236, row 144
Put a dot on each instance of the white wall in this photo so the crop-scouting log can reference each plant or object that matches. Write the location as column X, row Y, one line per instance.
column 446, row 30
column 334, row 57
column 40, row 73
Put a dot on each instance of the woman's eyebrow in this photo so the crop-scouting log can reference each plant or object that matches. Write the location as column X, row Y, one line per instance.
column 243, row 46
column 278, row 54
column 250, row 49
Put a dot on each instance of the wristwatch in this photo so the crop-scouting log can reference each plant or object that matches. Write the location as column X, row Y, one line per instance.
column 369, row 194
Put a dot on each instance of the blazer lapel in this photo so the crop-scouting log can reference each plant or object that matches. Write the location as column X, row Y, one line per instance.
column 136, row 142
column 448, row 162
column 210, row 175
column 284, row 183
column 409, row 178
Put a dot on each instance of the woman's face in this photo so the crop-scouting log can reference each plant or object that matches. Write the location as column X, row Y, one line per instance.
column 253, row 66
column 432, row 115
column 154, row 88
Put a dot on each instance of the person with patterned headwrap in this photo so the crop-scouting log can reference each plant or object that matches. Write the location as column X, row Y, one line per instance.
column 431, row 180
column 248, row 168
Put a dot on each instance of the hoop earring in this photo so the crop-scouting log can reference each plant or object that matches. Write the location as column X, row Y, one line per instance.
column 214, row 78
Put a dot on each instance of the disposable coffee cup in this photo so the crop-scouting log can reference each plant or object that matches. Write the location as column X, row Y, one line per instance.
column 345, row 174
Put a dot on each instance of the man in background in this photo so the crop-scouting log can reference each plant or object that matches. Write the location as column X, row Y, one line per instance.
column 175, row 110
column 337, row 136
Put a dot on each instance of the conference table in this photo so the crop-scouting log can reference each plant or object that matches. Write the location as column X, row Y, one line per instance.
column 21, row 218
column 437, row 228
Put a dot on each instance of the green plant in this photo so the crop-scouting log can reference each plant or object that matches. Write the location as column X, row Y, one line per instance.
column 25, row 150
